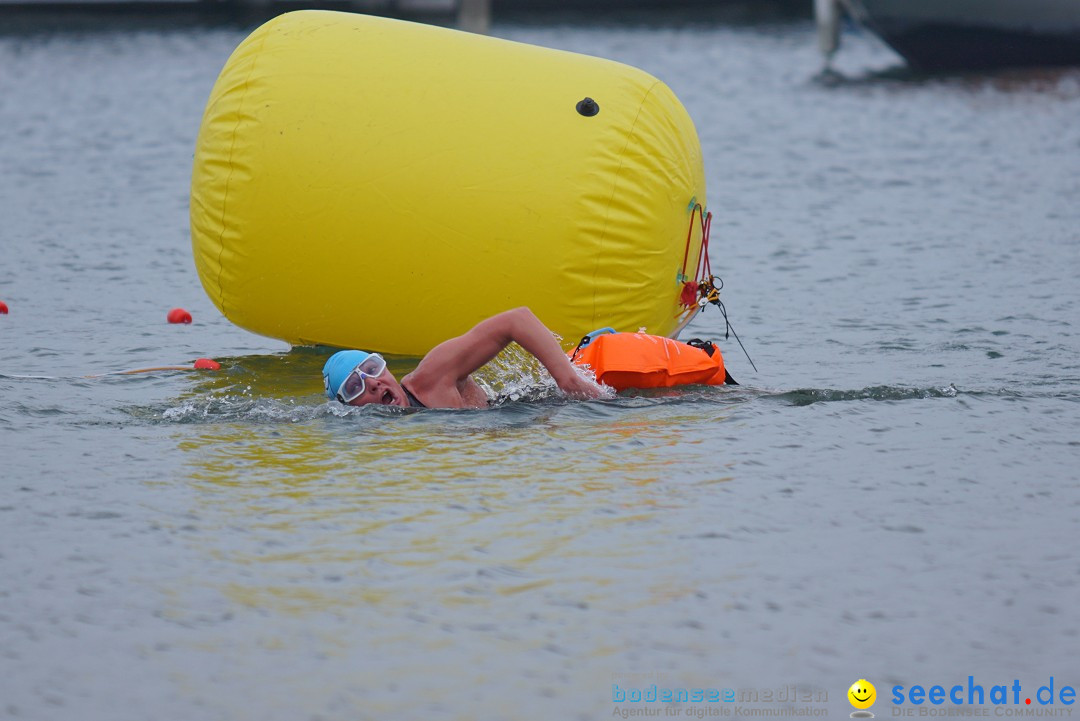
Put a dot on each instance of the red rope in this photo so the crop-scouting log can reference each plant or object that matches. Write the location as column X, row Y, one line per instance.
column 703, row 260
column 690, row 286
column 697, row 209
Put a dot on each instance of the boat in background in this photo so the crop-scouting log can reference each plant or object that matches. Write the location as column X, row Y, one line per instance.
column 963, row 34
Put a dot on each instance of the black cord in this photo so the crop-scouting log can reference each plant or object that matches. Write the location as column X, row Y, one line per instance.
column 729, row 327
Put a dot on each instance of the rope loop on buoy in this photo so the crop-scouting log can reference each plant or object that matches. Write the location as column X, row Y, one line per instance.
column 703, row 288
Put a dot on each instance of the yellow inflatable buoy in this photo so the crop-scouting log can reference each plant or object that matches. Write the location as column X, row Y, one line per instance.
column 373, row 183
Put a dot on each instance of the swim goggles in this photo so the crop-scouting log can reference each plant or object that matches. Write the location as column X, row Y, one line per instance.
column 353, row 386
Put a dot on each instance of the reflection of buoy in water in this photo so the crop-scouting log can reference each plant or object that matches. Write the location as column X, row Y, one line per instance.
column 366, row 182
column 179, row 315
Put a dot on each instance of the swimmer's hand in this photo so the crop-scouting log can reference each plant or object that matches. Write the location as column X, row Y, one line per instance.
column 579, row 388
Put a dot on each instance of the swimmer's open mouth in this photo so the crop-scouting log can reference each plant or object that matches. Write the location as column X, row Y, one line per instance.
column 387, row 398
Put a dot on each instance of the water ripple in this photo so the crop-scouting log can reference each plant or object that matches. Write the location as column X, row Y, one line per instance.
column 809, row 396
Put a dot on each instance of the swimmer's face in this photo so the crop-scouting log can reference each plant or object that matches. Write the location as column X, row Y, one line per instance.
column 382, row 389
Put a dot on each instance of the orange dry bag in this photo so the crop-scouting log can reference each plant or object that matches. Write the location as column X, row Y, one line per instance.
column 640, row 360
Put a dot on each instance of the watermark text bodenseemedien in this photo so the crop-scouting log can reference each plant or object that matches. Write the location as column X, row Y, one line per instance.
column 654, row 693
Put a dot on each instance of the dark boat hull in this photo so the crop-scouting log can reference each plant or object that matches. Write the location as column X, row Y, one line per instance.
column 948, row 47
column 976, row 35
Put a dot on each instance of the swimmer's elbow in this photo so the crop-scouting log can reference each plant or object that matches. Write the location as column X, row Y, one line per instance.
column 521, row 320
column 509, row 321
column 521, row 310
column 507, row 327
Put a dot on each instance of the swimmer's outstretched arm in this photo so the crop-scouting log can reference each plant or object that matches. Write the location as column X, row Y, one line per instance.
column 458, row 357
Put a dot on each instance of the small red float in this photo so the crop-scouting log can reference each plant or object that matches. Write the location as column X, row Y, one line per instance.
column 179, row 315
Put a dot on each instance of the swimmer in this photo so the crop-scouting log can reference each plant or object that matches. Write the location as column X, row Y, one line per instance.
column 442, row 379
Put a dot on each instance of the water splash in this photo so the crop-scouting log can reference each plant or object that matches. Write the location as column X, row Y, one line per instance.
column 516, row 375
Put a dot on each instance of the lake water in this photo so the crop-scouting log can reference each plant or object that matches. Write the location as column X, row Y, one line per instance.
column 894, row 496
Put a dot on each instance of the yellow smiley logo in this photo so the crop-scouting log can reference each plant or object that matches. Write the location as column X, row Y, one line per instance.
column 862, row 694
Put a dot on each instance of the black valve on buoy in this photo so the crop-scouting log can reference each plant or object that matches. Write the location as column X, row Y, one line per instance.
column 588, row 107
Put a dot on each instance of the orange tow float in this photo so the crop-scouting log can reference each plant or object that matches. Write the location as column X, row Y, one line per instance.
column 641, row 360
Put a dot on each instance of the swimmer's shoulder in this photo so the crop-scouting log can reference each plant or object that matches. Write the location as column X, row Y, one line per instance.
column 444, row 393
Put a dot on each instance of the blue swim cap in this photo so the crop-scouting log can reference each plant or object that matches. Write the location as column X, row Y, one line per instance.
column 338, row 367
